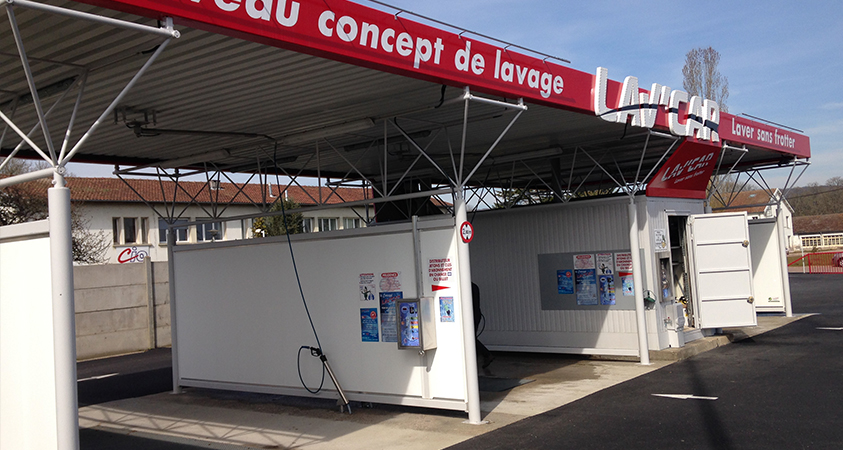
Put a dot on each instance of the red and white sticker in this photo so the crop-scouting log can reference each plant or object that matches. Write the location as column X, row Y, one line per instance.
column 466, row 232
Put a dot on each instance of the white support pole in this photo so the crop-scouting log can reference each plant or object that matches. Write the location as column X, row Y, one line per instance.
column 638, row 283
column 471, row 383
column 174, row 335
column 64, row 322
column 788, row 307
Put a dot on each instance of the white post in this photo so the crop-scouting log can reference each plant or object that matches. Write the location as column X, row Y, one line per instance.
column 788, row 308
column 64, row 321
column 171, row 270
column 638, row 282
column 471, row 383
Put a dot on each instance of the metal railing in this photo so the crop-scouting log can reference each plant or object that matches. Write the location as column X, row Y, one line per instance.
column 825, row 262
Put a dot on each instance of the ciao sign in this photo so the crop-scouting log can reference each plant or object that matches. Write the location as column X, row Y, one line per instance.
column 132, row 255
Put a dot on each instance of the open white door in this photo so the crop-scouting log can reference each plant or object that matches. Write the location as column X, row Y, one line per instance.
column 722, row 270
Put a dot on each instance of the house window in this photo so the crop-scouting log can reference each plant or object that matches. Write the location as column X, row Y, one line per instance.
column 181, row 232
column 245, row 228
column 209, row 231
column 115, row 230
column 307, row 225
column 129, row 230
column 348, row 223
column 144, row 230
column 328, row 224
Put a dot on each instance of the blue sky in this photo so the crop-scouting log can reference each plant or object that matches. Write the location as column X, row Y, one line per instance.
column 783, row 59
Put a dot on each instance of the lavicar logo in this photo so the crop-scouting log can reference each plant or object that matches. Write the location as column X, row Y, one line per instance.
column 641, row 108
column 688, row 167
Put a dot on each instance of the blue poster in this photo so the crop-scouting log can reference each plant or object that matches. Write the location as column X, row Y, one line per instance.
column 565, row 281
column 408, row 317
column 389, row 325
column 607, row 289
column 586, row 281
column 369, row 324
column 446, row 309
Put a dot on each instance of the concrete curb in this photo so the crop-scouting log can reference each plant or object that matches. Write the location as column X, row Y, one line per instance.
column 765, row 324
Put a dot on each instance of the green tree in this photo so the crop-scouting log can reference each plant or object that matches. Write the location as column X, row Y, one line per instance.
column 275, row 225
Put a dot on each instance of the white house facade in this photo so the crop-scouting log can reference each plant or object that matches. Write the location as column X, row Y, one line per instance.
column 136, row 229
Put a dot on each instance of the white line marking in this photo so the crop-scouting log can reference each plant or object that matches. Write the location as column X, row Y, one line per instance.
column 685, row 397
column 98, row 377
column 831, row 328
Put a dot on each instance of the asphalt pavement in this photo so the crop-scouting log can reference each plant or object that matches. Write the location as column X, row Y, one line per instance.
column 774, row 390
column 778, row 390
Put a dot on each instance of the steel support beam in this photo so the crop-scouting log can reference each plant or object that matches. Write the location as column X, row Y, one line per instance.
column 638, row 283
column 472, row 385
column 64, row 322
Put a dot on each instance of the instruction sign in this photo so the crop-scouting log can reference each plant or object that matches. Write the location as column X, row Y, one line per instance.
column 605, row 264
column 440, row 269
column 388, row 322
column 582, row 261
column 390, row 282
column 623, row 263
column 367, row 287
column 607, row 289
column 586, row 286
column 586, row 281
column 660, row 239
column 446, row 309
column 369, row 324
column 565, row 281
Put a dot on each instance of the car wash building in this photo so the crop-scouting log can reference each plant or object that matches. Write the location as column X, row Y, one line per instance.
column 616, row 257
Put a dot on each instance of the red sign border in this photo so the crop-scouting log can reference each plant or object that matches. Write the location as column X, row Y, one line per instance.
column 470, row 227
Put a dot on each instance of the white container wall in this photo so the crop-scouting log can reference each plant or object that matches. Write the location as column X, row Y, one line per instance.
column 766, row 265
column 507, row 267
column 241, row 322
column 28, row 414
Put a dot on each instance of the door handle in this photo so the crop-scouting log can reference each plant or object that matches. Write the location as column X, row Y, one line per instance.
column 750, row 299
column 745, row 243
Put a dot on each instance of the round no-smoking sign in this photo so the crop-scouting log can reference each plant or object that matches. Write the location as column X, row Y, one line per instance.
column 466, row 232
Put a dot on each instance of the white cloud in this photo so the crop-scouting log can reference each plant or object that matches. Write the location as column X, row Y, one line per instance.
column 832, row 105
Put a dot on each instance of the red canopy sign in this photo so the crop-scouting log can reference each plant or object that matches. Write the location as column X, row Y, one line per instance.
column 686, row 173
column 348, row 32
column 345, row 31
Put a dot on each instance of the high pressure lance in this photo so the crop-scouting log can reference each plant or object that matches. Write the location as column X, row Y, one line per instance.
column 343, row 400
column 314, row 351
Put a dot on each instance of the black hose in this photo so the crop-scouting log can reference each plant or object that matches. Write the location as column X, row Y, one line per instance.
column 314, row 351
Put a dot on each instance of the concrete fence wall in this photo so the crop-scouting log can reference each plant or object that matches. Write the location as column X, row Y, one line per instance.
column 121, row 308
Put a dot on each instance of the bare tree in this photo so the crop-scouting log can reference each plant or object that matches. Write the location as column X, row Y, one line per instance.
column 701, row 76
column 27, row 202
column 814, row 199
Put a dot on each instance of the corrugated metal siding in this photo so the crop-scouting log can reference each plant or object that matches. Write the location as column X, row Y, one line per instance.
column 504, row 261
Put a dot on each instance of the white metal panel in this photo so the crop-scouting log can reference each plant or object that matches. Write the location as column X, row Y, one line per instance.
column 504, row 264
column 722, row 269
column 658, row 211
column 241, row 320
column 27, row 379
column 766, row 266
